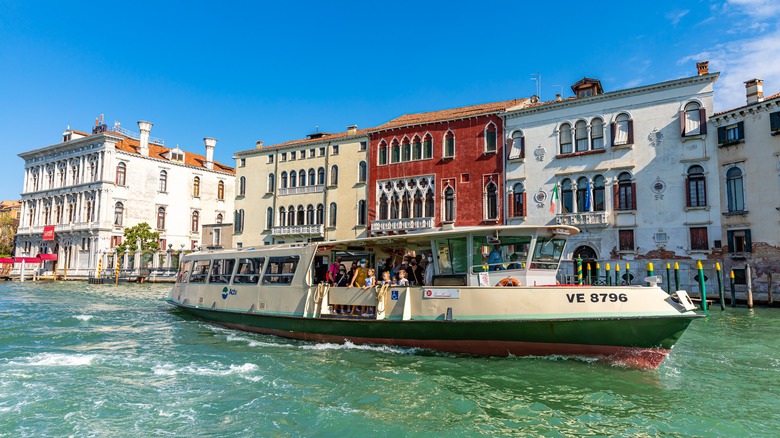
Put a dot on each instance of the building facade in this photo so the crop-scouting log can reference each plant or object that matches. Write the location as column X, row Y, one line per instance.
column 87, row 189
column 302, row 190
column 12, row 209
column 634, row 169
column 441, row 168
column 748, row 151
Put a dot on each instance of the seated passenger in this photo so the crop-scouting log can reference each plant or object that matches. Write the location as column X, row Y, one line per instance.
column 402, row 281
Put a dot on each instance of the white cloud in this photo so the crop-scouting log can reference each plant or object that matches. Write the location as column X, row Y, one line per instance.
column 676, row 15
column 757, row 9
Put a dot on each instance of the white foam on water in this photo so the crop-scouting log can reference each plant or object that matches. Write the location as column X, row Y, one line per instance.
column 254, row 343
column 350, row 346
column 84, row 318
column 164, row 370
column 59, row 359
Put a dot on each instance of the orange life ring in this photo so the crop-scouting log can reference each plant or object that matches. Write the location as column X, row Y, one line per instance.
column 509, row 281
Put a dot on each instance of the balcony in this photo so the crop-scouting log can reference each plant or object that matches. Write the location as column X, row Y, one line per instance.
column 587, row 219
column 59, row 228
column 319, row 188
column 298, row 230
column 385, row 226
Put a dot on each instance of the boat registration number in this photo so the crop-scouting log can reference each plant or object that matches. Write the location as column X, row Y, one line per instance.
column 602, row 297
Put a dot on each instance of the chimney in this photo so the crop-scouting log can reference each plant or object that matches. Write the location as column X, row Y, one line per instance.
column 558, row 97
column 703, row 67
column 145, row 128
column 259, row 144
column 210, row 143
column 754, row 89
column 352, row 129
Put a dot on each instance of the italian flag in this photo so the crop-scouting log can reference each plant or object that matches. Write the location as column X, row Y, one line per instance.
column 554, row 198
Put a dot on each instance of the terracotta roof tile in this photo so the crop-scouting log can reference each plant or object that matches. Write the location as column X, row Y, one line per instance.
column 774, row 96
column 305, row 141
column 156, row 151
column 452, row 114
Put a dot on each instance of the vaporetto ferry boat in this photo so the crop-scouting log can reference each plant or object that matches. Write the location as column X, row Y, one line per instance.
column 492, row 291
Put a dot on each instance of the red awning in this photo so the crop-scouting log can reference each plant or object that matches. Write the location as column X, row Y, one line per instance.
column 27, row 259
column 46, row 257
column 6, row 260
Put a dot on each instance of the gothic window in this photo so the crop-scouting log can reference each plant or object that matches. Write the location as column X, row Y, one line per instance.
column 383, row 207
column 491, row 138
column 406, row 150
column 427, row 146
column 282, row 217
column 405, row 204
column 449, row 144
column 382, row 153
column 242, row 186
column 491, row 201
column 395, row 152
column 518, row 198
column 429, row 205
column 301, row 218
column 417, row 211
column 416, row 148
column 291, row 215
column 271, row 183
column 449, row 204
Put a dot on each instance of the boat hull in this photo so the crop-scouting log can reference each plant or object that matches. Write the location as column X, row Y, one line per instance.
column 637, row 342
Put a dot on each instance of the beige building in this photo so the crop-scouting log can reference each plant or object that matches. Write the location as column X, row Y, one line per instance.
column 302, row 190
column 749, row 171
column 11, row 209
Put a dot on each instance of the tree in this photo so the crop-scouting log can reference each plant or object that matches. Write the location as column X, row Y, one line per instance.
column 7, row 234
column 142, row 231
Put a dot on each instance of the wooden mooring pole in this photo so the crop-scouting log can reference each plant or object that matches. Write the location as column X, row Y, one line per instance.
column 720, row 287
column 749, row 281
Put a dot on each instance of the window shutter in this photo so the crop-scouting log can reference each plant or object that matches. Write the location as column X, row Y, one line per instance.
column 612, row 130
column 615, row 197
column 730, row 240
column 774, row 121
column 702, row 121
column 524, row 205
column 510, row 204
column 741, row 130
column 688, row 192
column 748, row 242
column 704, row 193
column 722, row 135
column 522, row 147
column 633, row 196
column 682, row 123
column 630, row 131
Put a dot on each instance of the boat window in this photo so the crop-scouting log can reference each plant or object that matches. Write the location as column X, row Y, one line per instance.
column 184, row 272
column 249, row 270
column 547, row 253
column 452, row 255
column 280, row 270
column 200, row 271
column 221, row 270
column 499, row 254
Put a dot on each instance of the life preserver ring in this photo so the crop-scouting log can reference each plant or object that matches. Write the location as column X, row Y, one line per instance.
column 510, row 282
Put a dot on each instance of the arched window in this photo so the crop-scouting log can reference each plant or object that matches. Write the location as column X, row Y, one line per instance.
column 220, row 218
column 301, row 218
column 242, row 186
column 697, row 192
column 320, row 214
column 269, row 218
column 405, row 206
column 302, row 178
column 161, row 218
column 121, row 174
column 417, row 211
column 583, row 195
column 427, row 147
column 196, row 187
column 382, row 153
column 567, row 196
column 491, row 201
column 395, row 204
column 221, row 190
column 597, row 133
column 282, row 217
column 293, row 179
column 518, row 146
column 361, row 219
column 238, row 221
column 309, row 214
column 416, row 148
column 283, row 179
column 735, row 190
column 395, row 152
column 321, row 176
column 383, row 207
column 195, row 221
column 449, row 204
column 581, row 136
column 622, row 130
column 518, row 200
column 449, row 144
column 406, row 150
column 429, row 204
column 163, row 181
column 491, row 138
column 271, row 183
column 334, row 175
column 119, row 213
column 312, row 177
column 362, row 172
column 693, row 120
column 564, row 138
column 332, row 215
column 598, row 193
column 291, row 215
column 626, row 195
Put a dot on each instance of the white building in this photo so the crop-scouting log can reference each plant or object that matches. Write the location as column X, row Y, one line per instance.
column 748, row 154
column 635, row 170
column 90, row 187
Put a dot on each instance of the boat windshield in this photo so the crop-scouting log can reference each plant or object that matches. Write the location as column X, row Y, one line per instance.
column 547, row 253
column 452, row 255
column 493, row 254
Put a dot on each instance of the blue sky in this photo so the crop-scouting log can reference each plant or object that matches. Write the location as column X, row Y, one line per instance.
column 242, row 72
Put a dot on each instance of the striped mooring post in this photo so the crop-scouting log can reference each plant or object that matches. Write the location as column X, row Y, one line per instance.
column 650, row 271
column 608, row 275
column 116, row 269
column 702, row 286
column 100, row 267
column 579, row 270
column 720, row 287
column 676, row 276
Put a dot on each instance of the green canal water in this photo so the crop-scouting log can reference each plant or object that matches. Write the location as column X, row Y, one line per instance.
column 80, row 360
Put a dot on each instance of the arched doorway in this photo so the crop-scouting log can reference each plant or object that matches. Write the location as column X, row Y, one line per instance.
column 588, row 256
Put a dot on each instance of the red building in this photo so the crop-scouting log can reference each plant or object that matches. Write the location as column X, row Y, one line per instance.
column 432, row 169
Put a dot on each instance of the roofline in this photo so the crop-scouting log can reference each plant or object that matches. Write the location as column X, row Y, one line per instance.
column 775, row 98
column 520, row 100
column 555, row 105
column 302, row 142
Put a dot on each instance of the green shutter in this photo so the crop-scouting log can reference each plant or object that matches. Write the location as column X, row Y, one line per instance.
column 774, row 121
column 741, row 130
column 748, row 242
column 730, row 240
column 722, row 135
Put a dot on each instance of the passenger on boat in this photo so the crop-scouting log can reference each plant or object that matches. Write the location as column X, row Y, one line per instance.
column 370, row 280
column 415, row 273
column 359, row 278
column 386, row 278
column 333, row 270
column 515, row 262
column 342, row 280
column 495, row 259
column 402, row 280
column 429, row 271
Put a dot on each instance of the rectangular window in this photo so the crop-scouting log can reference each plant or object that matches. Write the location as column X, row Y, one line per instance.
column 184, row 272
column 547, row 253
column 270, row 159
column 280, row 270
column 626, row 240
column 249, row 270
column 221, row 270
column 242, row 162
column 699, row 241
column 334, row 150
column 292, row 155
column 322, row 151
column 283, row 156
column 200, row 271
column 739, row 241
column 731, row 134
column 363, row 146
column 774, row 122
column 740, row 277
column 312, row 153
